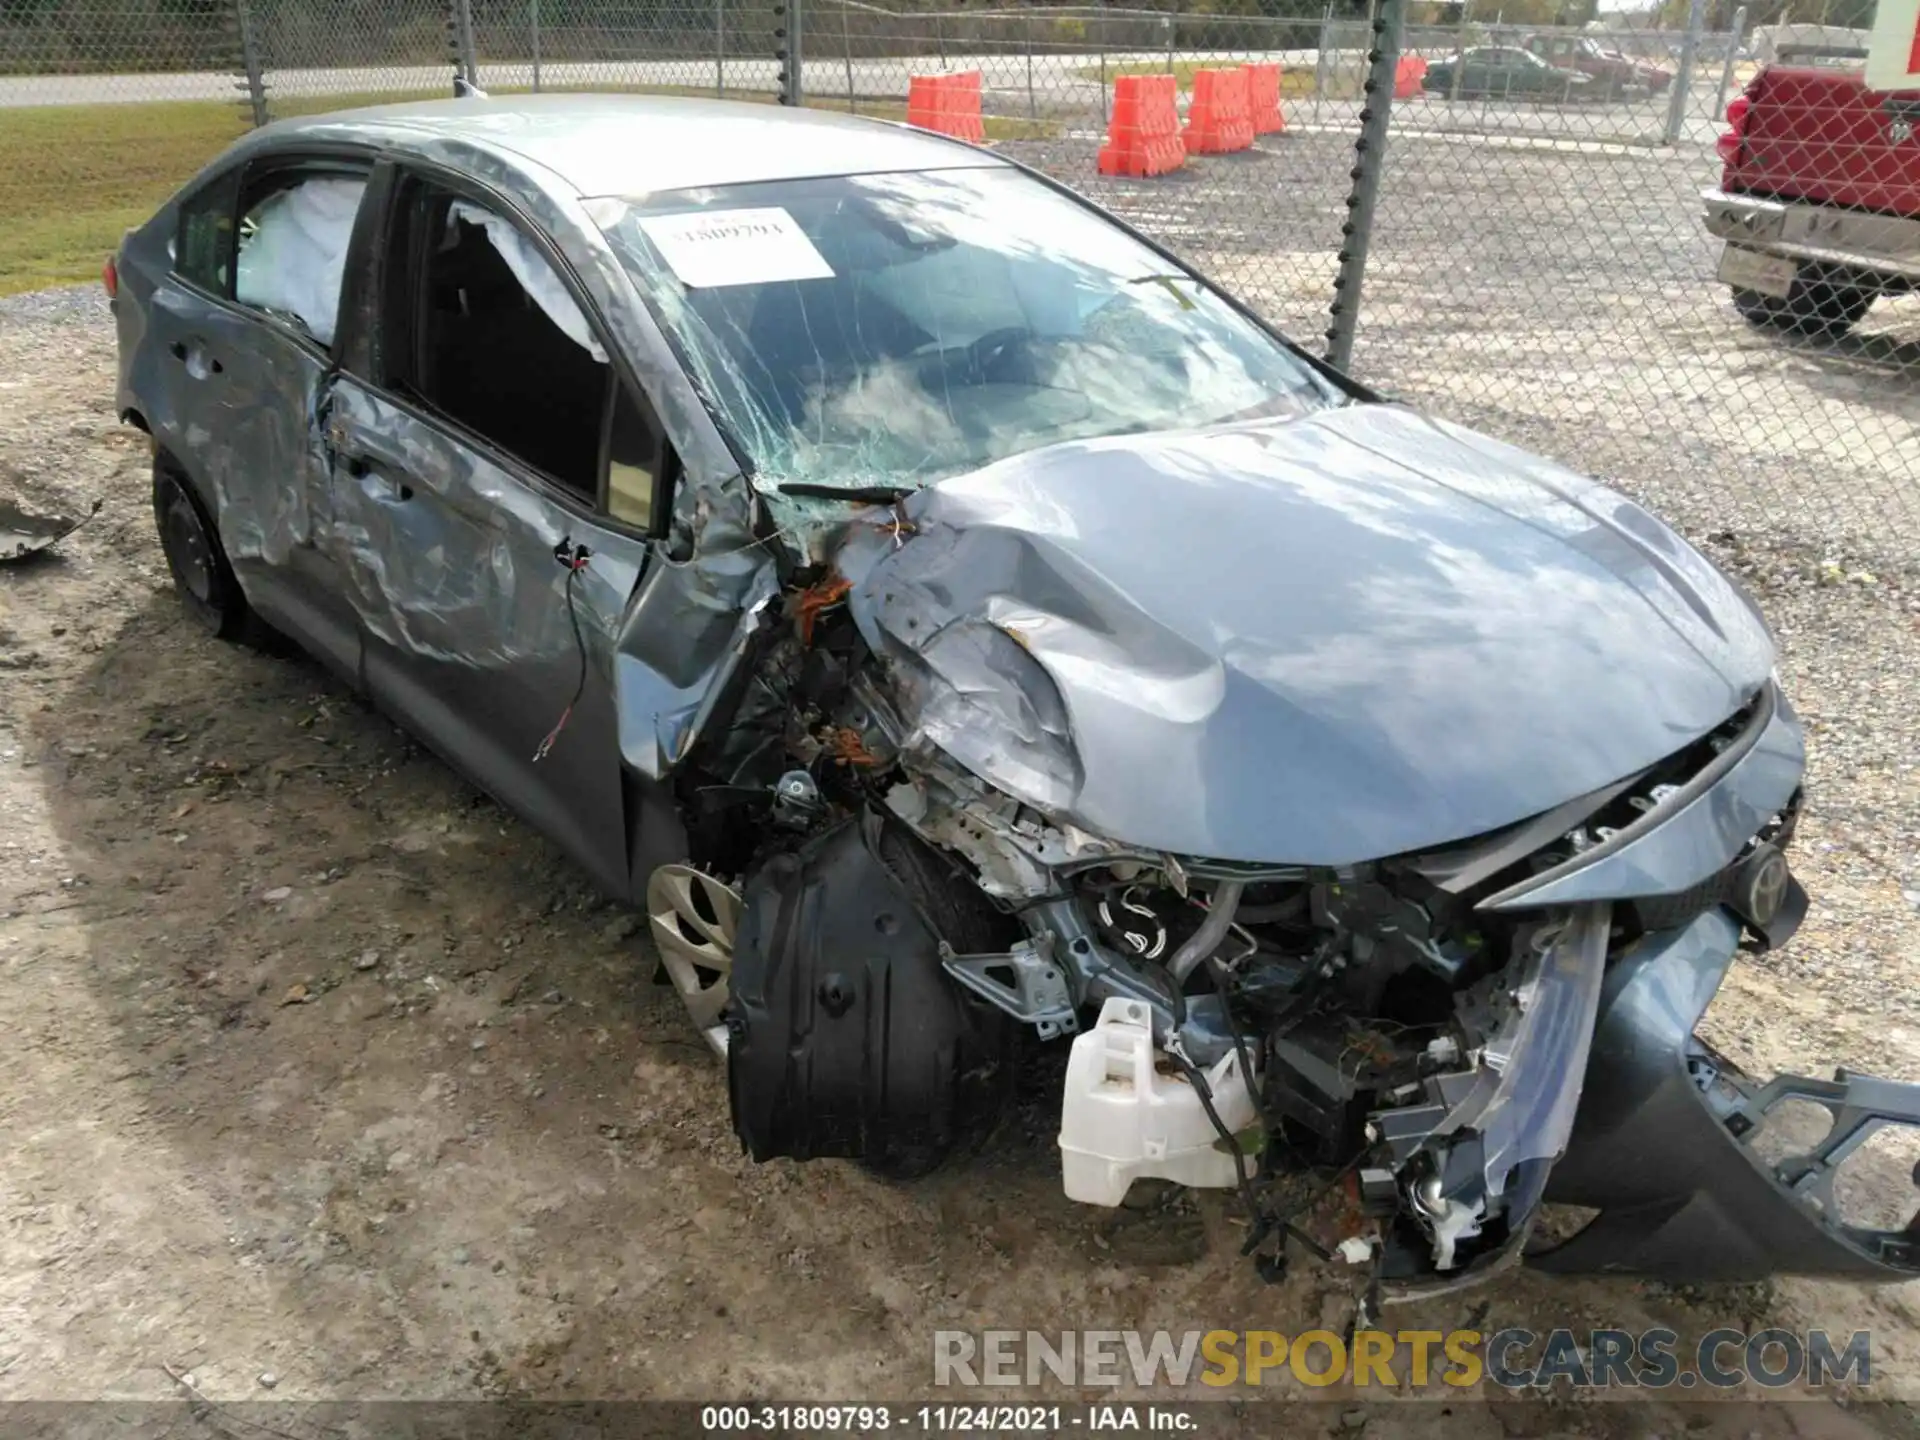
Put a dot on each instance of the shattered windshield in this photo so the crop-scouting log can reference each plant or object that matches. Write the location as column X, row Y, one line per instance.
column 866, row 330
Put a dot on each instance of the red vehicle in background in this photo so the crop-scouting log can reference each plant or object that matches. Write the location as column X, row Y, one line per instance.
column 1819, row 195
column 1613, row 72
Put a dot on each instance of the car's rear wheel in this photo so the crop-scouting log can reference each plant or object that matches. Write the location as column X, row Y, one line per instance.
column 1821, row 304
column 202, row 574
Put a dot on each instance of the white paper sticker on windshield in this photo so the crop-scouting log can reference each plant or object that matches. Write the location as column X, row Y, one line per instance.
column 736, row 247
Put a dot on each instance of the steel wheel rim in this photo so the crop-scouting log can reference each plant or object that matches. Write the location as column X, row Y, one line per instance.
column 187, row 549
column 694, row 919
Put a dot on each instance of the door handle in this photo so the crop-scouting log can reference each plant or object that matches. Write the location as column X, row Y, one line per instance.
column 355, row 460
column 359, row 468
column 195, row 357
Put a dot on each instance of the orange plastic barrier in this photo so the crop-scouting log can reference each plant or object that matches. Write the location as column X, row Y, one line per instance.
column 1143, row 137
column 965, row 96
column 1218, row 121
column 947, row 105
column 1263, row 98
column 1408, row 77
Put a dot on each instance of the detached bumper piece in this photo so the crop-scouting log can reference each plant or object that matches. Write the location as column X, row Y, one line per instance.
column 1696, row 1171
column 1473, row 1157
column 23, row 534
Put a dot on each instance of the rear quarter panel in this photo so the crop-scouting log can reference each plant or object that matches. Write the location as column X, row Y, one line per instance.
column 143, row 261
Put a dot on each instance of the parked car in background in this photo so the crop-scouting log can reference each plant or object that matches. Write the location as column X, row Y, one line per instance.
column 1819, row 195
column 1613, row 72
column 1500, row 72
column 962, row 626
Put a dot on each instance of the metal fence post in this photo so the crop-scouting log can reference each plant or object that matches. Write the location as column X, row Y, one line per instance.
column 254, row 79
column 787, row 49
column 464, row 55
column 1370, row 155
column 1033, row 105
column 1460, row 55
column 533, row 18
column 1320, row 71
column 1736, row 41
column 846, row 42
column 719, row 47
column 1683, row 82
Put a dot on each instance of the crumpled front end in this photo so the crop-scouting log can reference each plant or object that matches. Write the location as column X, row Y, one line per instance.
column 1400, row 1063
column 1396, row 1059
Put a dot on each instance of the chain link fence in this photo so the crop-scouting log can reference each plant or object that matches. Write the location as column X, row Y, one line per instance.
column 1544, row 266
column 1508, row 228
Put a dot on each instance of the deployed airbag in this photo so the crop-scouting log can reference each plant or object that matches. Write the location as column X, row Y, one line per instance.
column 295, row 258
column 535, row 275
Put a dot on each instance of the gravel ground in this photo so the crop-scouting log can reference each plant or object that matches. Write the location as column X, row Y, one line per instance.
column 321, row 1066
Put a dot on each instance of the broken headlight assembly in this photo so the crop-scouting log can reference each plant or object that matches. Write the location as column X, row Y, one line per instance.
column 1386, row 1062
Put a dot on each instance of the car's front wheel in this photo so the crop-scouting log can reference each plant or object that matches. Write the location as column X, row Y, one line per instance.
column 1819, row 305
column 202, row 574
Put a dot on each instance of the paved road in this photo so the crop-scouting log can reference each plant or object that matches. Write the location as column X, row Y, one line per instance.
column 1052, row 76
column 1014, row 85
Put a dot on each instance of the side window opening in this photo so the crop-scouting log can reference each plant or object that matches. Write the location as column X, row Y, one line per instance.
column 482, row 329
column 634, row 459
column 292, row 246
column 203, row 240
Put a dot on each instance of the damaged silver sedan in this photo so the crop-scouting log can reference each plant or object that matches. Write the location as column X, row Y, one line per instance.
column 962, row 626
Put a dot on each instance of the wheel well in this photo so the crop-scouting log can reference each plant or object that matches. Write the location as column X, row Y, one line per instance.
column 133, row 417
column 165, row 462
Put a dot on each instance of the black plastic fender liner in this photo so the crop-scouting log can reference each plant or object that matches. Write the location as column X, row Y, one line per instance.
column 845, row 1037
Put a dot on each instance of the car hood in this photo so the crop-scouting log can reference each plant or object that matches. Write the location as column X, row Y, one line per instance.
column 1317, row 641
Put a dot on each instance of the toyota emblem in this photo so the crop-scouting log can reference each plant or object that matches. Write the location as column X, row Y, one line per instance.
column 1764, row 883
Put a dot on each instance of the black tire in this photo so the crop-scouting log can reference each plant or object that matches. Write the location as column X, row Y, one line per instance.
column 1820, row 305
column 202, row 574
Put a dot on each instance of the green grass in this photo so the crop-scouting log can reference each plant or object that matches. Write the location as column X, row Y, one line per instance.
column 73, row 178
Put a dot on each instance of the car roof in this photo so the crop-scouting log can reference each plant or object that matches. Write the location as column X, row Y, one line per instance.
column 639, row 144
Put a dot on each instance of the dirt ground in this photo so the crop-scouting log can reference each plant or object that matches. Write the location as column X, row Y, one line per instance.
column 319, row 1067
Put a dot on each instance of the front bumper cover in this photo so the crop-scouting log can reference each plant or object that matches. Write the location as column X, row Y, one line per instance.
column 1665, row 1143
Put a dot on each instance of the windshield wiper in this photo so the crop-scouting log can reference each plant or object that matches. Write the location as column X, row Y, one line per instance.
column 1171, row 284
column 872, row 494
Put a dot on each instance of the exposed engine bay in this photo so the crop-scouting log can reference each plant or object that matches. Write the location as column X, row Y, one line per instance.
column 889, row 892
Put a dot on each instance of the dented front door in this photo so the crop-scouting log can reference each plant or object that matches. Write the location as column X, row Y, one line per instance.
column 478, row 636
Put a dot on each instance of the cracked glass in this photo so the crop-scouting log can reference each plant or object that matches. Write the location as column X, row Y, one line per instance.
column 963, row 316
